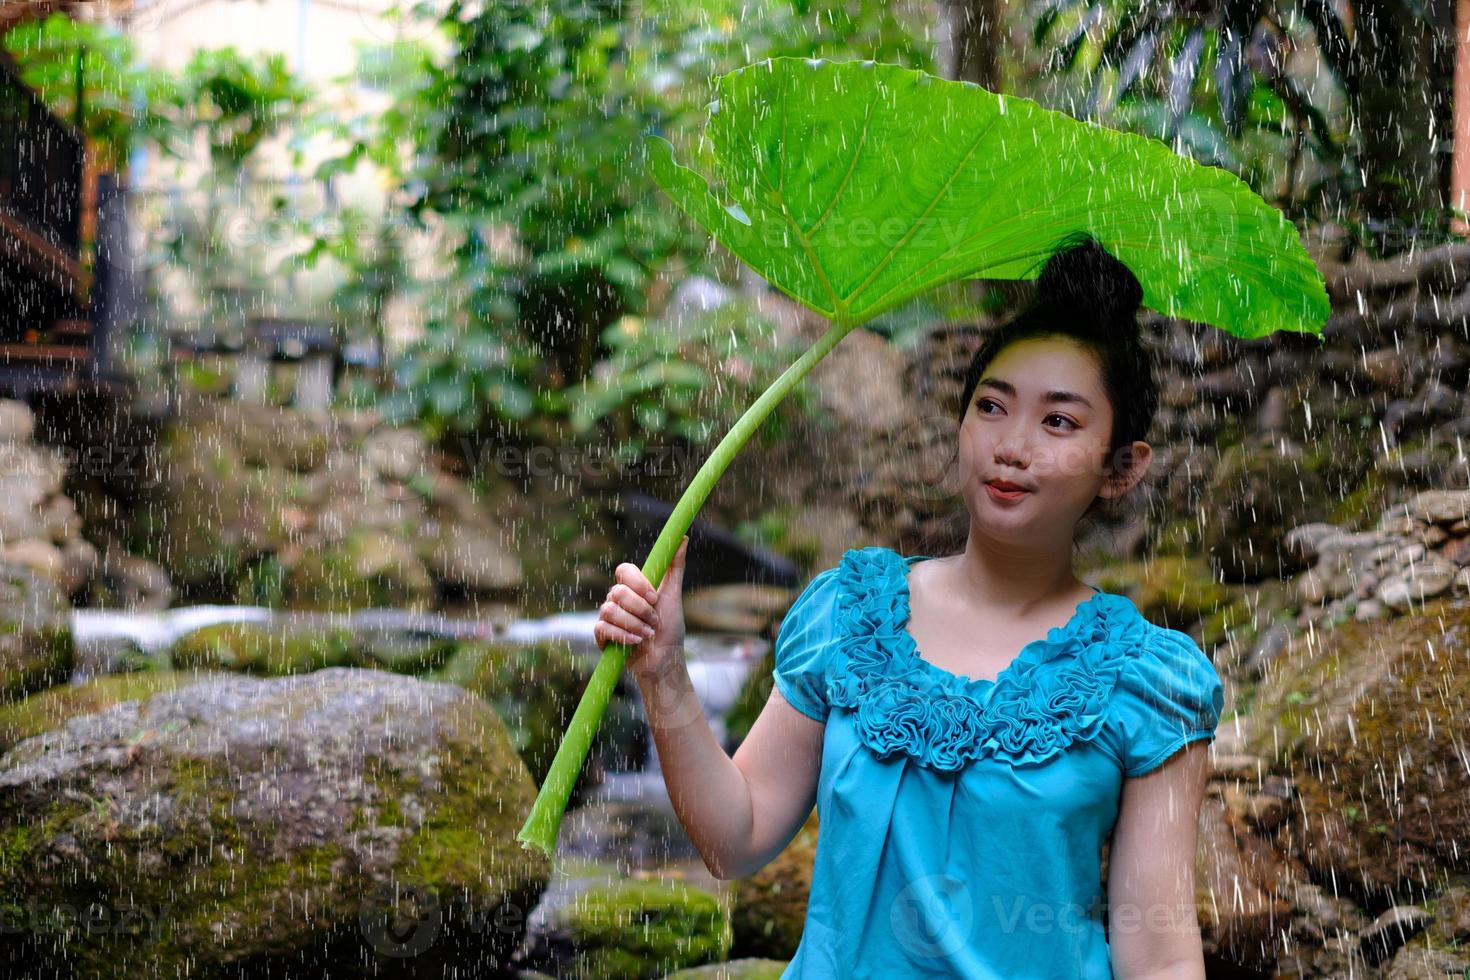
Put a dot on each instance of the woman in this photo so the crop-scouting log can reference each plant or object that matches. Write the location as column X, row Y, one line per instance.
column 972, row 728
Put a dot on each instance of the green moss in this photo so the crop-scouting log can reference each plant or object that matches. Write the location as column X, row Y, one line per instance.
column 637, row 929
column 1181, row 537
column 49, row 709
column 535, row 688
column 198, row 871
column 459, row 838
column 308, row 650
column 254, row 649
column 1232, row 622
column 405, row 656
column 744, row 969
column 1362, row 506
column 1170, row 590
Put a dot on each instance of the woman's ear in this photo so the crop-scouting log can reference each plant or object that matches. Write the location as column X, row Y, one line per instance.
column 1130, row 463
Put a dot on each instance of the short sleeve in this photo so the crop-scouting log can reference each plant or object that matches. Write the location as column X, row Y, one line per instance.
column 802, row 646
column 1168, row 695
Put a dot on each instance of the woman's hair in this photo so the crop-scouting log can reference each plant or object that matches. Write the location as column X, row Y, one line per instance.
column 1087, row 295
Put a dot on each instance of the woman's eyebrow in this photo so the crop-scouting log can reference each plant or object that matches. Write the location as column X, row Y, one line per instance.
column 1006, row 388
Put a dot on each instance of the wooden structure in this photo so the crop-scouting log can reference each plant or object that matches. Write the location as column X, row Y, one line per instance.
column 314, row 347
column 55, row 319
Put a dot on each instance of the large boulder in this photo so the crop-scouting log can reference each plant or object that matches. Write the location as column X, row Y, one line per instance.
column 350, row 818
column 1368, row 722
column 36, row 648
column 212, row 514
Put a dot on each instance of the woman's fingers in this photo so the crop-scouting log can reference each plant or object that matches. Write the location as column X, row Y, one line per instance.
column 631, row 577
column 605, row 632
column 634, row 592
column 623, row 626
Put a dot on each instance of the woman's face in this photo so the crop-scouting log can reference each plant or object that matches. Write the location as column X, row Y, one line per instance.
column 1040, row 420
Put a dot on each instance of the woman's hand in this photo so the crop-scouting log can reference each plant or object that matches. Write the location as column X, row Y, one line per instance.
column 650, row 621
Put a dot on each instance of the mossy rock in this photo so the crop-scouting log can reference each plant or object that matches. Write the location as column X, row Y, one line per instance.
column 769, row 910
column 1250, row 611
column 1258, row 495
column 406, row 655
column 36, row 647
column 44, row 711
column 263, row 650
column 1368, row 720
column 749, row 969
column 1179, row 537
column 631, row 930
column 1171, row 591
column 368, row 570
column 1361, row 506
column 349, row 817
column 213, row 516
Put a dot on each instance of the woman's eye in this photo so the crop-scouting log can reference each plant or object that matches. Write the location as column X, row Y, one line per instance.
column 1064, row 419
column 982, row 403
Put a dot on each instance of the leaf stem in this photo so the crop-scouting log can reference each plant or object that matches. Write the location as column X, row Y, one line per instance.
column 544, row 823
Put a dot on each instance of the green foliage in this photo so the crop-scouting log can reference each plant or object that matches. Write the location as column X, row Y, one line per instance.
column 1315, row 102
column 236, row 103
column 843, row 186
column 239, row 102
column 455, row 380
column 686, row 378
column 123, row 101
column 533, row 159
column 537, row 135
column 375, row 248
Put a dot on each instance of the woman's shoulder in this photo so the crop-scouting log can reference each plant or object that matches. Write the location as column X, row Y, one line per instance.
column 1173, row 652
column 1169, row 676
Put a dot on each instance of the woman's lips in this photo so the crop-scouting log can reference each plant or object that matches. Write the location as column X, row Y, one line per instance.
column 1000, row 494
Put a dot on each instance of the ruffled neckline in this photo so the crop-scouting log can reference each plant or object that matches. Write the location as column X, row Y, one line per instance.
column 909, row 647
column 1053, row 693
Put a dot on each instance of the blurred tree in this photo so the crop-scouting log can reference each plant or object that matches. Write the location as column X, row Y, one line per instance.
column 532, row 152
column 123, row 102
column 1362, row 87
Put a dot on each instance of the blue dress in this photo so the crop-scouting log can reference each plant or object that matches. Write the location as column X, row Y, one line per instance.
column 961, row 821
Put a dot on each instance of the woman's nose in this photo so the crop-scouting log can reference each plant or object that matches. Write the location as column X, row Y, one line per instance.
column 1012, row 452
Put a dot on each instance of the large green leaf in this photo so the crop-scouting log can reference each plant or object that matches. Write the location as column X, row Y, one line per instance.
column 854, row 186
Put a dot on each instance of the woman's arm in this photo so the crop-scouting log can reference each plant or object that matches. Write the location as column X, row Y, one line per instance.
column 739, row 813
column 1153, row 928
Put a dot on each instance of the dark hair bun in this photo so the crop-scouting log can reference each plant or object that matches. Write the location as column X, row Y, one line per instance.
column 1083, row 279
